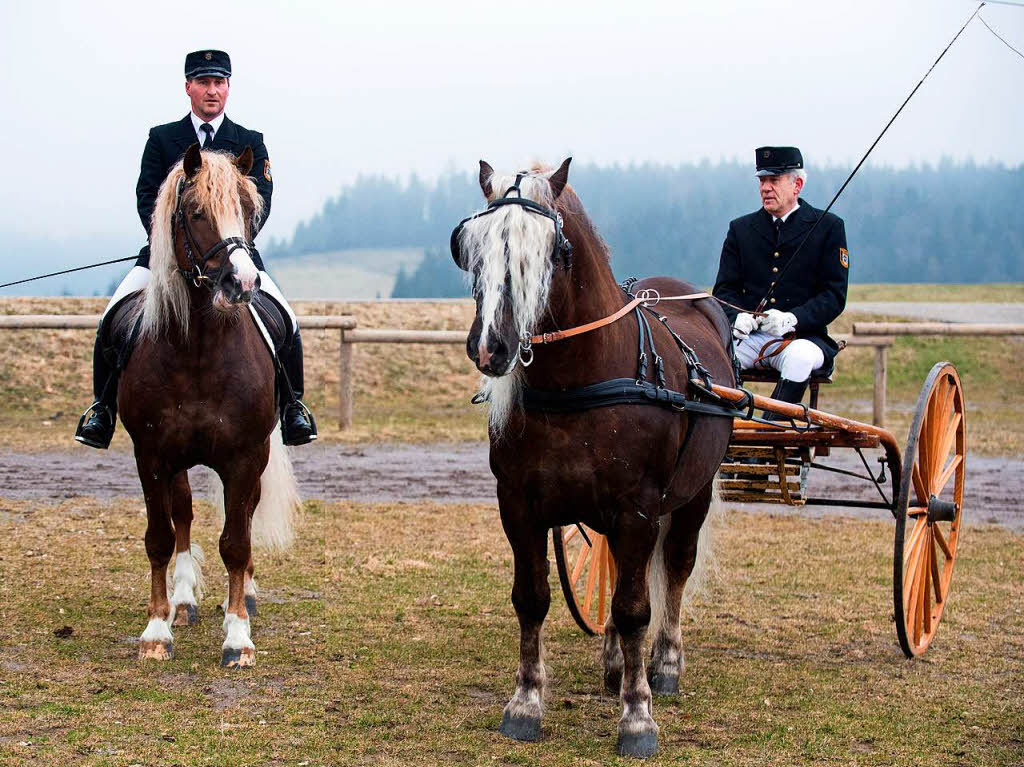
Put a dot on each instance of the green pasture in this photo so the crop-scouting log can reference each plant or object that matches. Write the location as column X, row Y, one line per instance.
column 386, row 637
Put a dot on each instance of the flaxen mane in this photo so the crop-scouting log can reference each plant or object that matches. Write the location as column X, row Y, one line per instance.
column 516, row 242
column 221, row 191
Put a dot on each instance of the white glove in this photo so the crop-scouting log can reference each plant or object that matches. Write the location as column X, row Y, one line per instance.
column 778, row 323
column 744, row 325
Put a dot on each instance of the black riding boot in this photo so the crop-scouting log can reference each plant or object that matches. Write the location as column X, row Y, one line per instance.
column 787, row 391
column 297, row 424
column 96, row 426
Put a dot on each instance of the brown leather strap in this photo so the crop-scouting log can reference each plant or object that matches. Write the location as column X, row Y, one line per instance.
column 558, row 335
column 764, row 355
column 642, row 298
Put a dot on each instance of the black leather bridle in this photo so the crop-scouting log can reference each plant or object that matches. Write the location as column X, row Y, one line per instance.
column 563, row 248
column 197, row 271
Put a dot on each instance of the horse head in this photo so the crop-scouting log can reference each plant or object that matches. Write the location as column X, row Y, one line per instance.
column 516, row 254
column 215, row 219
column 205, row 215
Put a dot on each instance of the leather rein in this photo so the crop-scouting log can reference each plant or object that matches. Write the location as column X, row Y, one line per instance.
column 197, row 272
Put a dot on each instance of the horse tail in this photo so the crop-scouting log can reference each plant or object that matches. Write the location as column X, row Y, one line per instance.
column 274, row 518
column 704, row 565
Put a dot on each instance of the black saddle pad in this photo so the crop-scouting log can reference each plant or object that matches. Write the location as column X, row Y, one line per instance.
column 275, row 319
column 118, row 328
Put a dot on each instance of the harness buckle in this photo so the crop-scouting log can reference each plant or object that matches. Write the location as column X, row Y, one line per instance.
column 526, row 350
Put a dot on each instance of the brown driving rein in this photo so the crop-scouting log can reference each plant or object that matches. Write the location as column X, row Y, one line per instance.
column 646, row 297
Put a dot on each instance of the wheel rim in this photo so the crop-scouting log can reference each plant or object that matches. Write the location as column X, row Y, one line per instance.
column 926, row 541
column 587, row 574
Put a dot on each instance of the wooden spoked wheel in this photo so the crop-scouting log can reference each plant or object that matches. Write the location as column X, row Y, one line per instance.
column 929, row 509
column 587, row 573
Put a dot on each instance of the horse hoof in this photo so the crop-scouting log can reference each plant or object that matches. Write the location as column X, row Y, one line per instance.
column 640, row 745
column 665, row 684
column 250, row 605
column 242, row 658
column 155, row 650
column 613, row 682
column 186, row 615
column 525, row 728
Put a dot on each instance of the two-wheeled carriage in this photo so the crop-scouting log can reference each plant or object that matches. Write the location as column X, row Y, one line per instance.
column 771, row 463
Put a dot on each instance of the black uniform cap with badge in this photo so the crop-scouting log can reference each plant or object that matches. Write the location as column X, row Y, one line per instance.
column 207, row 63
column 776, row 160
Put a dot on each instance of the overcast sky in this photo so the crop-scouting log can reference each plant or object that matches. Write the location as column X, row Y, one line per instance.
column 340, row 89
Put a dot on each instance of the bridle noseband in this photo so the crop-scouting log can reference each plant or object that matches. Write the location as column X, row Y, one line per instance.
column 197, row 267
column 562, row 252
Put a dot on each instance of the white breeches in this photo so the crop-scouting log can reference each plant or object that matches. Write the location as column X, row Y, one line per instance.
column 136, row 279
column 794, row 363
column 139, row 276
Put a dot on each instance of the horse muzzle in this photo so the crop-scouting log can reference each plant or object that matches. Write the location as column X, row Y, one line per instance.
column 493, row 358
column 234, row 290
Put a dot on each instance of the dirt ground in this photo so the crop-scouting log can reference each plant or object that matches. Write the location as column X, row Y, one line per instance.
column 458, row 473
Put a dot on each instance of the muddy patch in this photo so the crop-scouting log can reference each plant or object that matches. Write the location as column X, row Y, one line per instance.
column 459, row 473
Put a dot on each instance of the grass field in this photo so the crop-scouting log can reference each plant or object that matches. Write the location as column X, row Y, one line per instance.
column 386, row 637
column 421, row 393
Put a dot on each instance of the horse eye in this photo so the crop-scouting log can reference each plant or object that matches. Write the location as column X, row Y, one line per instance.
column 197, row 216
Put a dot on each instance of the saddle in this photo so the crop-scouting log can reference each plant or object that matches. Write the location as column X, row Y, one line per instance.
column 273, row 322
column 119, row 329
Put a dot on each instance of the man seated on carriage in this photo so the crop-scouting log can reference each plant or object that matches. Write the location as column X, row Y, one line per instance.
column 207, row 83
column 791, row 336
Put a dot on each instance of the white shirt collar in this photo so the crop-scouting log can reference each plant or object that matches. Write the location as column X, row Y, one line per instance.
column 198, row 121
column 774, row 219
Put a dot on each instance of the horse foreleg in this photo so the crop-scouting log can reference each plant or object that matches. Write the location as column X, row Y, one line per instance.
column 673, row 561
column 157, row 641
column 611, row 656
column 241, row 494
column 250, row 584
column 632, row 541
column 531, row 597
column 187, row 581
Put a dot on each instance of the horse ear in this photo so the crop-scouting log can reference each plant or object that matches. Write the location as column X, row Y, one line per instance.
column 560, row 178
column 193, row 161
column 486, row 171
column 244, row 161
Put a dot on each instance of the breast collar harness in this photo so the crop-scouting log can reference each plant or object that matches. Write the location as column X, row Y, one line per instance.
column 197, row 272
column 562, row 252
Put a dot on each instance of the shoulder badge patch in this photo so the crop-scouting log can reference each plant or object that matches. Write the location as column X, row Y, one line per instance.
column 266, row 175
column 844, row 254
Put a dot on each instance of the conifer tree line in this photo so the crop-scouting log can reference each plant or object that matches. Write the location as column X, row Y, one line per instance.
column 944, row 223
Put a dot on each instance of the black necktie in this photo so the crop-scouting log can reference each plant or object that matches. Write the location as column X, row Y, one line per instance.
column 208, row 130
column 778, row 230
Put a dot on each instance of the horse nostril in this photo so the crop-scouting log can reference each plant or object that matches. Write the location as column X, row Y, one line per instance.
column 259, row 282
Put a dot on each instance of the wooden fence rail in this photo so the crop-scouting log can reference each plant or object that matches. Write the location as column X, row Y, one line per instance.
column 879, row 335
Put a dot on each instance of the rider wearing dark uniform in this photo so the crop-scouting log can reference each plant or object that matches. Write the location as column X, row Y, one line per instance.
column 207, row 82
column 757, row 249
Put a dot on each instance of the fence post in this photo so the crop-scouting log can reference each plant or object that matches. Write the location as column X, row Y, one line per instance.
column 881, row 361
column 344, row 383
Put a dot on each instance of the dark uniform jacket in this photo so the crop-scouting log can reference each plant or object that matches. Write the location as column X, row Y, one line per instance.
column 813, row 289
column 167, row 144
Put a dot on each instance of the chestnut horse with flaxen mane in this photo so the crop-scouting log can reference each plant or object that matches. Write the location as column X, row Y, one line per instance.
column 199, row 389
column 641, row 474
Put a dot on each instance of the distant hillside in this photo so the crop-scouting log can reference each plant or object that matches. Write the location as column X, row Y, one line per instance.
column 948, row 223
column 358, row 273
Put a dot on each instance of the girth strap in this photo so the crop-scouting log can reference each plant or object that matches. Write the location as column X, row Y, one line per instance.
column 625, row 391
